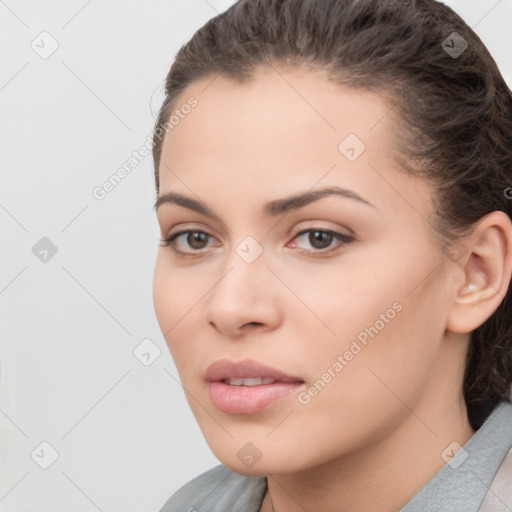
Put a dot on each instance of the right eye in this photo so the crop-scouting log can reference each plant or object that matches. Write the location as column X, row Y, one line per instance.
column 187, row 242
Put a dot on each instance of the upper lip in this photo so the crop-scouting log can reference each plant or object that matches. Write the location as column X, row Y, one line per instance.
column 226, row 369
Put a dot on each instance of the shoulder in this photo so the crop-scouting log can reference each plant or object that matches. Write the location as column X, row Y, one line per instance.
column 499, row 495
column 217, row 490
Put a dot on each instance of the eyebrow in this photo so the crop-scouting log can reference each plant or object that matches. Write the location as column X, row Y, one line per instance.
column 272, row 208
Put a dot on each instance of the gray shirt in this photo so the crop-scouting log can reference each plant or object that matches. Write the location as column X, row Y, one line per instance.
column 463, row 484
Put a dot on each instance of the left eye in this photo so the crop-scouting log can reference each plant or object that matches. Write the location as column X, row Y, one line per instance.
column 322, row 239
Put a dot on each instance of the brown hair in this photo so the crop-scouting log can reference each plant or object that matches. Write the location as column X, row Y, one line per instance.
column 454, row 113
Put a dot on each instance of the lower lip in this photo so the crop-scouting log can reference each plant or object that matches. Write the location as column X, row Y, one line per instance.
column 249, row 399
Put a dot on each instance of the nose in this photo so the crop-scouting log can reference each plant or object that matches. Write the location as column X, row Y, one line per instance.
column 244, row 299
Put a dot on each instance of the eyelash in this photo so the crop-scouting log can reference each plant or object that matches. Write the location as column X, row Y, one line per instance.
column 343, row 241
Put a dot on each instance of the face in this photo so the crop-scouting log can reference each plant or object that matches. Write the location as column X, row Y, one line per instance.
column 294, row 241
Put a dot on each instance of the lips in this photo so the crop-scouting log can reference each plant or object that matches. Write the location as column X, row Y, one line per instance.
column 248, row 387
column 246, row 369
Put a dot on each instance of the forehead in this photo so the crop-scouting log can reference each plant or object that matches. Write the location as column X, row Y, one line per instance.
column 276, row 108
column 277, row 103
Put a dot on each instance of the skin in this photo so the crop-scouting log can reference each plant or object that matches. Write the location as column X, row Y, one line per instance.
column 375, row 434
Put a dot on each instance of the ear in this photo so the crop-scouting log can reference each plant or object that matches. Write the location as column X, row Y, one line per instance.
column 486, row 267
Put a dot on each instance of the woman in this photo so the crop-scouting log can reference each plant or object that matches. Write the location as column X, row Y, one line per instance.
column 333, row 186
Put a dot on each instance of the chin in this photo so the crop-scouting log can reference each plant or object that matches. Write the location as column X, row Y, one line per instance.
column 250, row 461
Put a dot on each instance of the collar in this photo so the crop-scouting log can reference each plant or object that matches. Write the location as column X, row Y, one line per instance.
column 462, row 484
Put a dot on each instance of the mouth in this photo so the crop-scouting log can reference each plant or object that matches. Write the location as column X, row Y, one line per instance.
column 255, row 381
column 247, row 387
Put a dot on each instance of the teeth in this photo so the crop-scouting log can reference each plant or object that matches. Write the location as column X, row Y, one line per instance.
column 249, row 382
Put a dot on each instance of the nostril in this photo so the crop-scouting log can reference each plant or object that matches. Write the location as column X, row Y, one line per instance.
column 252, row 324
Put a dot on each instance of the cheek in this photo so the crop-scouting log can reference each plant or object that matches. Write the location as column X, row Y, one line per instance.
column 179, row 295
column 163, row 294
column 173, row 295
column 385, row 324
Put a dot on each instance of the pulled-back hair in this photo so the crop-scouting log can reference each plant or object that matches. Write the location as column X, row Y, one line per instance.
column 454, row 113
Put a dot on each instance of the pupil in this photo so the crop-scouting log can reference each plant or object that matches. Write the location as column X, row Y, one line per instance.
column 197, row 239
column 320, row 239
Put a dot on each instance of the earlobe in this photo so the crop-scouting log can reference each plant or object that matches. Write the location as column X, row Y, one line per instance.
column 487, row 267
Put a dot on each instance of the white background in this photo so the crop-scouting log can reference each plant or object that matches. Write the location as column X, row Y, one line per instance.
column 125, row 437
